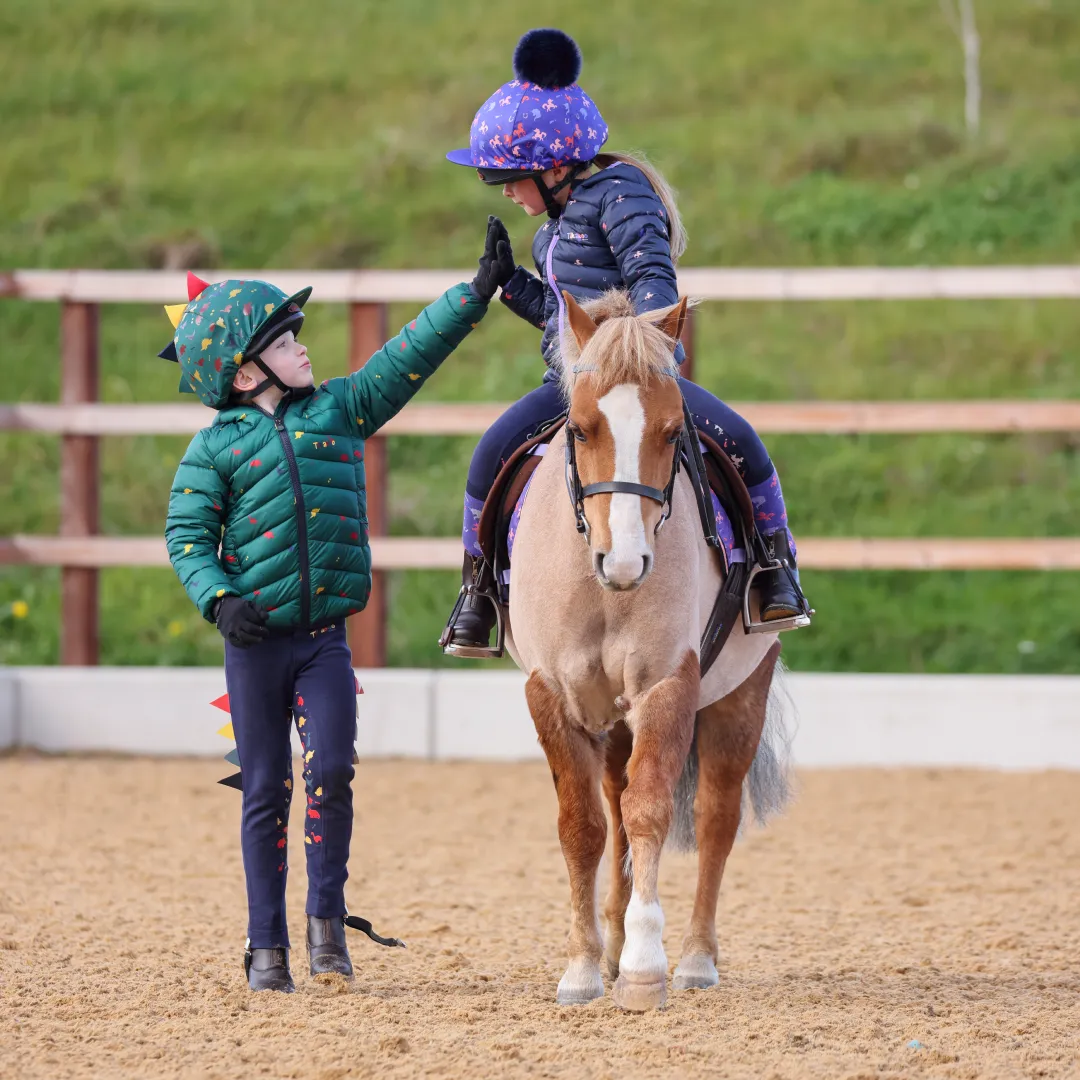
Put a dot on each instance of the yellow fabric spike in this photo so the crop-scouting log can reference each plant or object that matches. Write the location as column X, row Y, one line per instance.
column 318, row 791
column 227, row 732
column 309, row 755
column 175, row 313
column 307, row 839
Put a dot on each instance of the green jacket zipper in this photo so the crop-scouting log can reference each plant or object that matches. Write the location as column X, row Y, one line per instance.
column 301, row 524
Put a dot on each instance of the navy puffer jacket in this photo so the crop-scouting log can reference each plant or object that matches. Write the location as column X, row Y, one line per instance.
column 613, row 233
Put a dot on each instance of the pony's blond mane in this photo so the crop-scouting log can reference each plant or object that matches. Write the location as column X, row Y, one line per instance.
column 626, row 348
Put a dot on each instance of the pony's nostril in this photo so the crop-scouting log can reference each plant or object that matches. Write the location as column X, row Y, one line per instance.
column 598, row 564
column 646, row 567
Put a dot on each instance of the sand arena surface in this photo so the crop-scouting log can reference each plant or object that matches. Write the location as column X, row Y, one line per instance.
column 942, row 907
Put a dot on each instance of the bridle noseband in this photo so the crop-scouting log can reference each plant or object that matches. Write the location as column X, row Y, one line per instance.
column 579, row 493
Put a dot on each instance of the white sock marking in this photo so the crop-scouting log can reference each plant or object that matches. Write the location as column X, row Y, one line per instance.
column 643, row 958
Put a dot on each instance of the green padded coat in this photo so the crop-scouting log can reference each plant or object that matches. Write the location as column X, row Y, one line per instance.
column 274, row 509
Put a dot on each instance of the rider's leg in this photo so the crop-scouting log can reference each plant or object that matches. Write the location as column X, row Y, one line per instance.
column 744, row 446
column 496, row 446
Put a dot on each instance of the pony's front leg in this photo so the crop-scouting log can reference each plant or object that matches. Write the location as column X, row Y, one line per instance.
column 620, row 745
column 728, row 734
column 576, row 762
column 663, row 725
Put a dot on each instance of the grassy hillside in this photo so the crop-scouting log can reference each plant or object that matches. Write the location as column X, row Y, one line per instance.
column 153, row 132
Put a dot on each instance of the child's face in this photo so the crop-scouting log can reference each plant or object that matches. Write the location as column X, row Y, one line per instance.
column 286, row 358
column 526, row 194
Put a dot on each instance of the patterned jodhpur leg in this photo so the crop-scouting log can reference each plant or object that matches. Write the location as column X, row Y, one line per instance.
column 496, row 446
column 746, row 450
column 259, row 681
column 324, row 704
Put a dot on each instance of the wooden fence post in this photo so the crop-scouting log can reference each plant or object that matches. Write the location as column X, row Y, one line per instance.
column 367, row 631
column 78, row 483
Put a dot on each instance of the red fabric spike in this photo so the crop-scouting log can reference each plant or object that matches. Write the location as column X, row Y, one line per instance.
column 195, row 285
column 221, row 703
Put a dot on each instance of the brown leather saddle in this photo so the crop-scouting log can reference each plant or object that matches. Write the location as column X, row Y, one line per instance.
column 723, row 479
column 503, row 498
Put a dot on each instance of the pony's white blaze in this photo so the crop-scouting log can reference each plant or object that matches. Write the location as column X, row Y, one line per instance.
column 624, row 563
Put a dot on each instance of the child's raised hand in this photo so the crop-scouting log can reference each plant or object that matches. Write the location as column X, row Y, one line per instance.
column 497, row 262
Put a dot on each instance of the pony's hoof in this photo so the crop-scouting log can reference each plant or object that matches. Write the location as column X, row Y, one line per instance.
column 696, row 972
column 580, row 984
column 612, row 965
column 639, row 997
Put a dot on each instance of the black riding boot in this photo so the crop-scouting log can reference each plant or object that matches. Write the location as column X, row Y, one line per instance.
column 477, row 616
column 327, row 951
column 268, row 969
column 778, row 597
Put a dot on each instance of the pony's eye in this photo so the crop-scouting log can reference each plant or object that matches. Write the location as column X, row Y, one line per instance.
column 673, row 438
column 579, row 435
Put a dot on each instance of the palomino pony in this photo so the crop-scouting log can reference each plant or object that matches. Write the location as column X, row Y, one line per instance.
column 608, row 630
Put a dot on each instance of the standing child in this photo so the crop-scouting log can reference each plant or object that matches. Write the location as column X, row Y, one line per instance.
column 267, row 531
column 613, row 224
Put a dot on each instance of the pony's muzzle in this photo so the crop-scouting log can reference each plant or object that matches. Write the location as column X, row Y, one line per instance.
column 621, row 573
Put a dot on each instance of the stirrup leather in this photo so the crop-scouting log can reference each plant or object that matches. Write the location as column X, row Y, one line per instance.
column 485, row 592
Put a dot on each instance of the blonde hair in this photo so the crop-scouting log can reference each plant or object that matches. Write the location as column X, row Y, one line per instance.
column 664, row 191
column 627, row 347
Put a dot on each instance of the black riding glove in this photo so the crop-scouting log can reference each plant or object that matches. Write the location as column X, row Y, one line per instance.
column 497, row 262
column 240, row 622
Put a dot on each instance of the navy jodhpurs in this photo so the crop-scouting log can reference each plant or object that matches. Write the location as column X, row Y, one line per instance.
column 306, row 677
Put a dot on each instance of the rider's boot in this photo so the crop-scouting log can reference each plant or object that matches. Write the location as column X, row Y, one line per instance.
column 268, row 969
column 777, row 595
column 327, row 951
column 477, row 616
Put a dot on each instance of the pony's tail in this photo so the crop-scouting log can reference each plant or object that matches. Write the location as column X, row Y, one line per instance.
column 676, row 230
column 767, row 787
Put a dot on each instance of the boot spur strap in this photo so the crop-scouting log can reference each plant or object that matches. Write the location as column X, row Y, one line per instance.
column 364, row 927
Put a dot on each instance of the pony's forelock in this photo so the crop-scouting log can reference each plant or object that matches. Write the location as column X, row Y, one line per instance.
column 626, row 348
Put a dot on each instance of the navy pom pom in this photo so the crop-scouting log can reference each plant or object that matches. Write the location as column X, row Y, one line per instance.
column 547, row 58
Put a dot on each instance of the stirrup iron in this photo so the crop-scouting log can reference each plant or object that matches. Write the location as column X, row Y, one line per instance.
column 774, row 626
column 474, row 652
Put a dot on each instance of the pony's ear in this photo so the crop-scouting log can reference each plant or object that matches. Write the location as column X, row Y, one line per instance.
column 580, row 321
column 674, row 322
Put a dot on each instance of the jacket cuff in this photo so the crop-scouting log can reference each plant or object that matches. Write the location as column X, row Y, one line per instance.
column 514, row 286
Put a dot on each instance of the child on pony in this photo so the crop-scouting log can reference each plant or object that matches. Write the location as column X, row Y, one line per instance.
column 612, row 224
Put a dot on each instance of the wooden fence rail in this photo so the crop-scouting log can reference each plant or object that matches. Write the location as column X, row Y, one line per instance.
column 80, row 419
column 769, row 417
